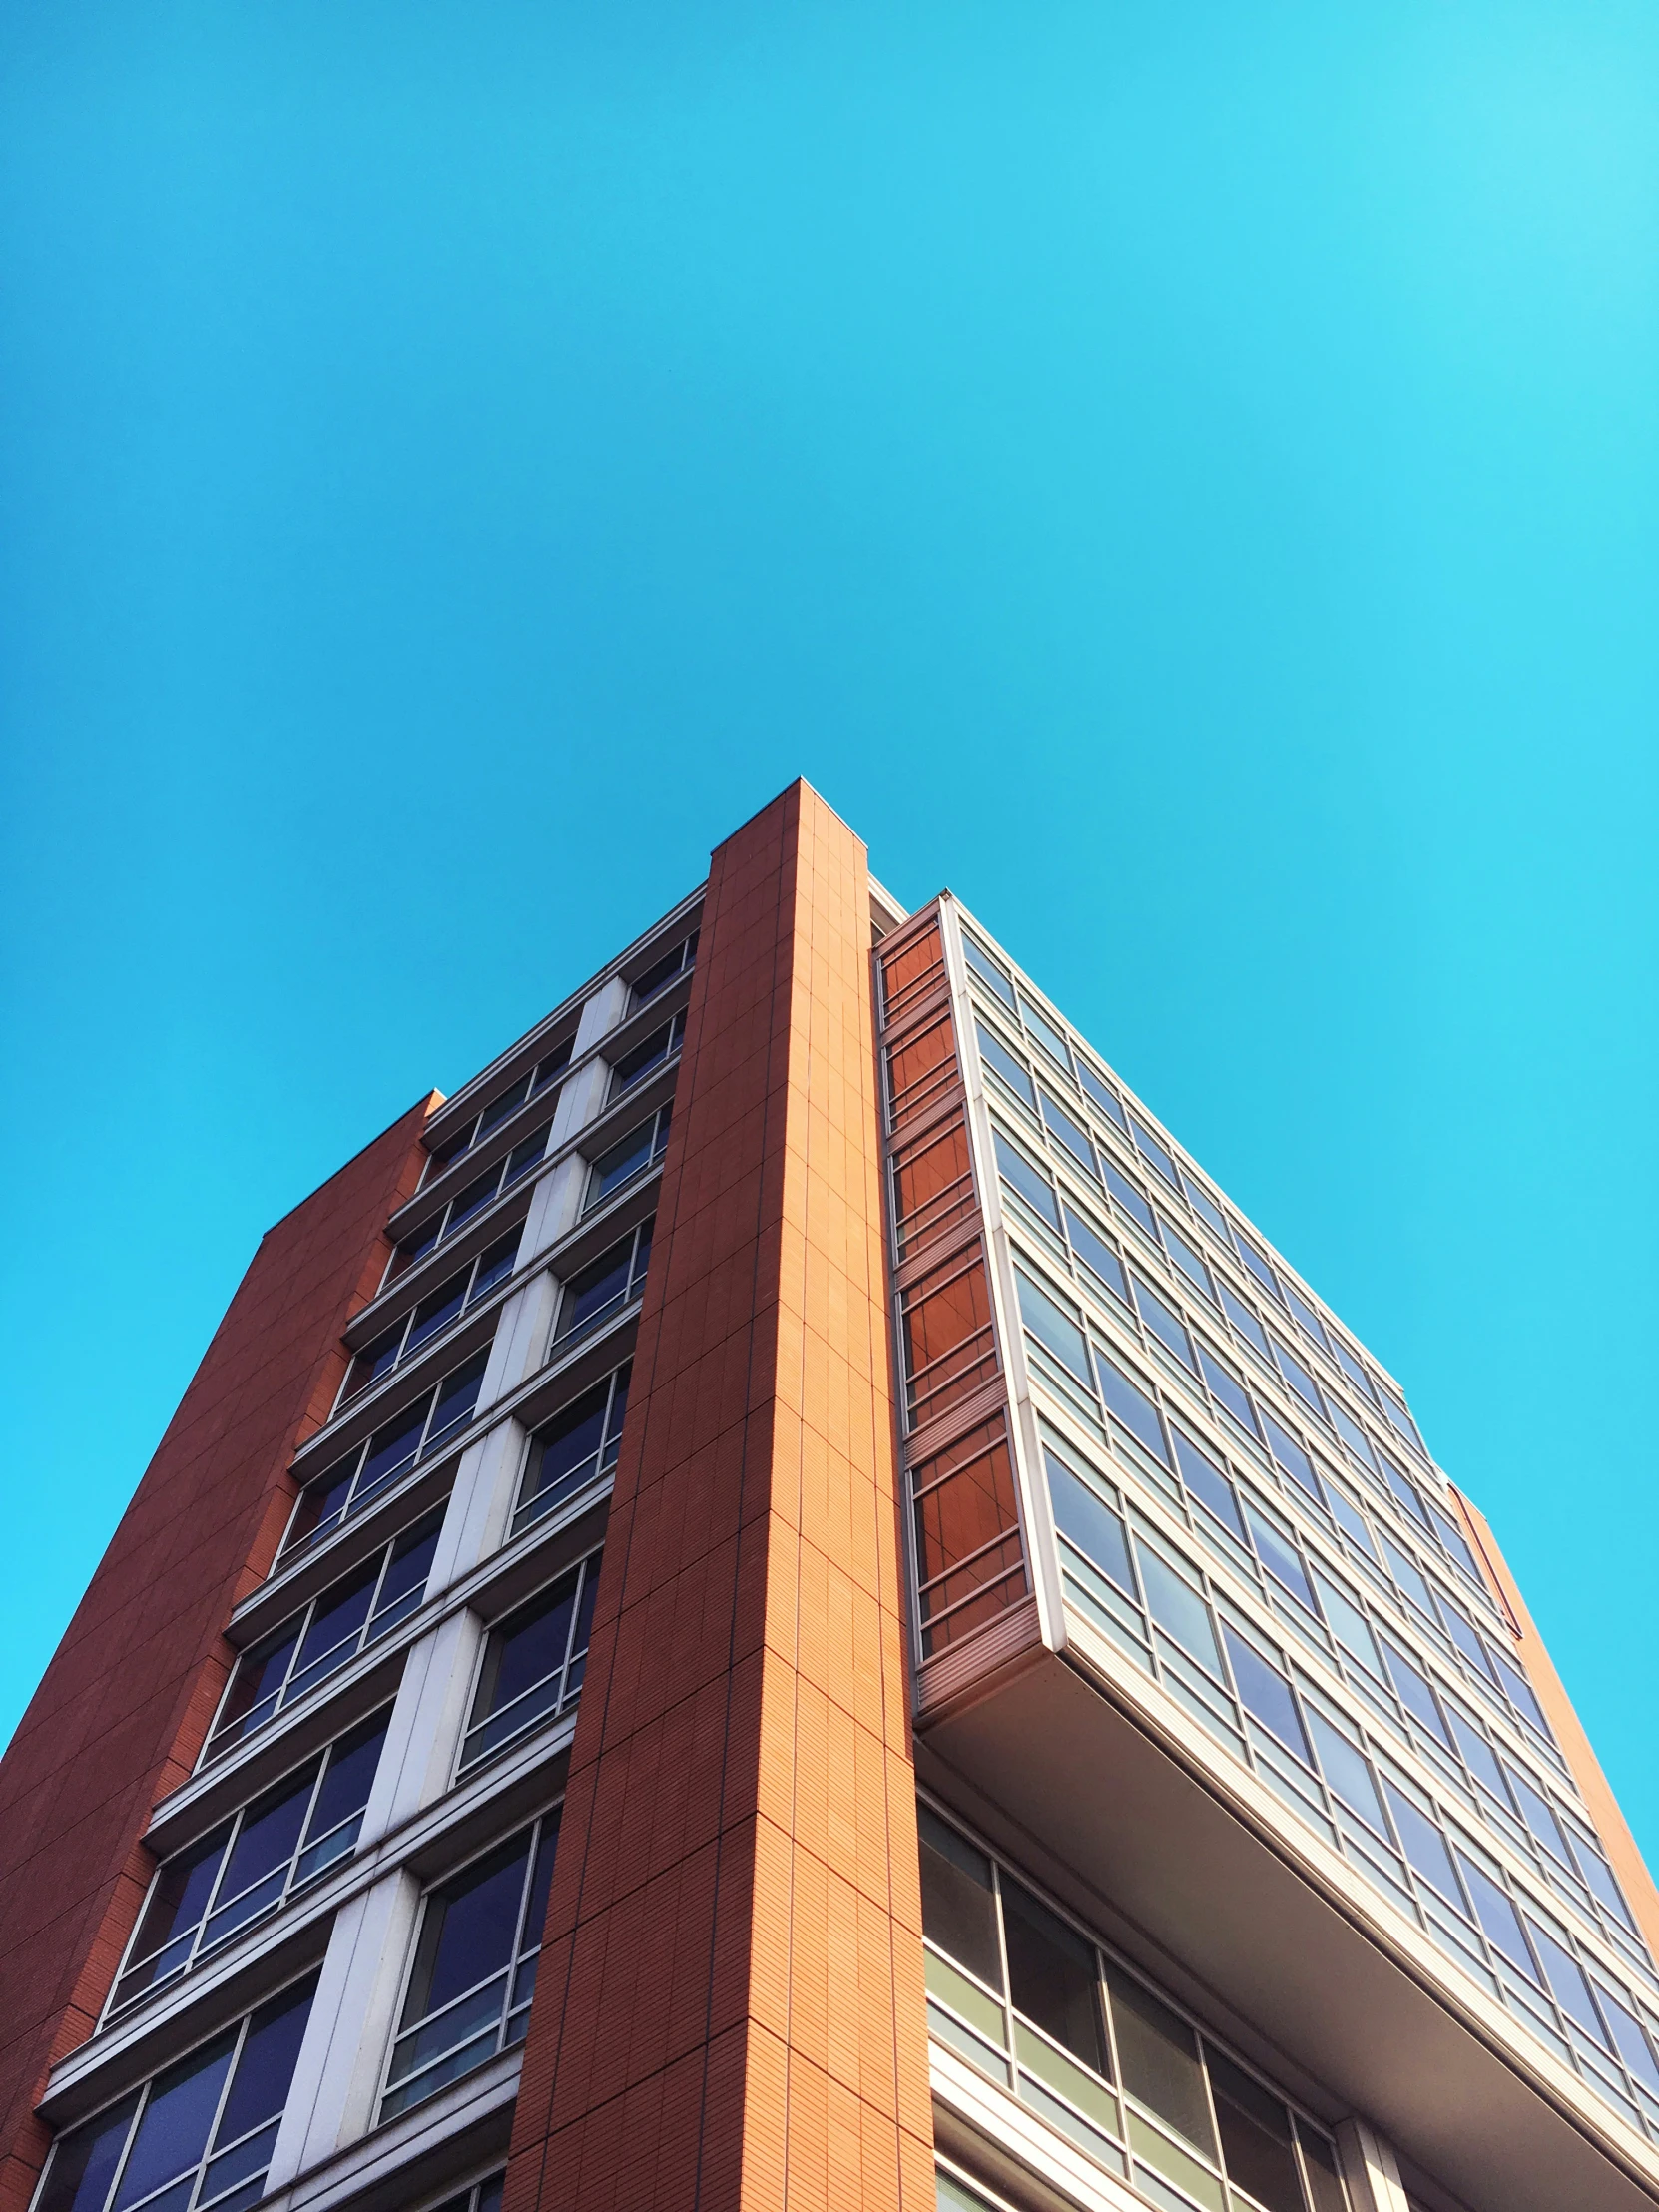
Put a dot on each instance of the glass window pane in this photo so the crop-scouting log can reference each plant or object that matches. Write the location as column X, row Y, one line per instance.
column 472, row 1200
column 624, row 1159
column 1498, row 1917
column 1348, row 1771
column 1186, row 1258
column 1091, row 1524
column 1176, row 1607
column 1266, row 1695
column 524, row 1155
column 265, row 2070
column 1254, row 2138
column 1129, row 1199
column 1227, row 1391
column 1001, row 1062
column 351, row 1776
column 988, row 969
column 1291, row 1458
column 602, row 1283
column 1151, row 1148
column 528, row 1646
column 1069, row 1132
column 1039, row 1026
column 1633, row 2047
column 1102, row 1094
column 1132, row 1406
column 407, row 1572
column 172, row 2136
column 1053, row 1976
column 1165, row 1323
column 179, row 1899
column 1424, row 1845
column 1159, row 2056
column 394, row 1447
column 1415, row 1692
column 1096, row 1255
column 1566, row 1980
column 1257, row 1263
column 84, row 2161
column 1297, row 1377
column 1033, row 1187
column 1319, row 2157
column 1207, row 1483
column 438, row 1310
column 958, row 1910
column 1243, row 1320
column 498, row 1109
column 1349, row 1625
column 1478, row 1755
column 1206, row 1208
column 269, row 1832
column 340, row 1614
column 1352, row 1436
column 1305, row 1314
column 1281, row 1557
column 1052, row 1326
column 1409, row 1577
column 468, row 1929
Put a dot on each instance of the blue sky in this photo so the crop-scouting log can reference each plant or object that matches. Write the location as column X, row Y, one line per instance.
column 1185, row 477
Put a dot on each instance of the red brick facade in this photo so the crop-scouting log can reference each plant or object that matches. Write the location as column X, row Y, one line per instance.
column 731, row 2010
column 120, row 1714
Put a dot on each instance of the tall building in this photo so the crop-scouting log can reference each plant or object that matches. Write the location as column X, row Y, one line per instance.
column 781, row 1604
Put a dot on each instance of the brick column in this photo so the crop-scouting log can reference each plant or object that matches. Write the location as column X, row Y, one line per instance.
column 120, row 1717
column 731, row 2008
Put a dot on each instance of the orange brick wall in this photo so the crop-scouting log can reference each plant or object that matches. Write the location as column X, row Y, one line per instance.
column 122, row 1711
column 731, row 2008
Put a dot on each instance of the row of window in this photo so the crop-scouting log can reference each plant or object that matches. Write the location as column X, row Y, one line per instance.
column 200, row 2134
column 1247, row 1534
column 468, row 1203
column 271, row 1850
column 1095, row 1259
column 1031, row 2001
column 1161, row 1610
column 590, row 1296
column 434, row 1314
column 1377, row 1394
column 1133, row 1405
column 531, row 1084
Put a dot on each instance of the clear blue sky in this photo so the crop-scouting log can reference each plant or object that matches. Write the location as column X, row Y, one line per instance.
column 1187, row 476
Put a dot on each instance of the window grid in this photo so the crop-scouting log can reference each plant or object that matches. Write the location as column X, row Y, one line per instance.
column 1150, row 1232
column 468, row 1203
column 441, row 2044
column 1102, row 2100
column 324, row 1635
column 631, row 1157
column 431, row 1315
column 548, row 1069
column 317, row 1813
column 662, row 972
column 560, row 1464
column 1340, row 1364
column 186, row 2140
column 597, row 1293
column 651, row 1053
column 1162, row 1610
column 564, row 1616
column 413, row 1436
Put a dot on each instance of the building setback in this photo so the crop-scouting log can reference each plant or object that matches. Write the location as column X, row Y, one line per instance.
column 780, row 1605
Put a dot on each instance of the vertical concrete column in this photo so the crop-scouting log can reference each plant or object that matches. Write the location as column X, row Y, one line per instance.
column 343, row 2054
column 730, row 2011
column 1368, row 2168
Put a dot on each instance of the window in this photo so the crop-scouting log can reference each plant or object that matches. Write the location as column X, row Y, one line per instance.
column 996, row 1056
column 1187, row 1260
column 629, row 1157
column 1208, row 1212
column 533, row 1663
column 1310, row 1324
column 605, row 1285
column 1130, row 1199
column 417, row 1433
column 1257, row 1263
column 1297, row 1377
column 1151, row 1148
column 932, row 1185
column 434, row 1315
column 969, row 1562
column 483, row 2196
column 1102, row 1094
column 474, row 1970
column 1164, row 1322
column 574, row 1449
column 1057, row 1327
column 989, row 971
column 547, row 1069
column 662, row 972
column 1069, row 1132
column 949, row 1345
column 1243, row 1320
column 1043, row 1033
column 1024, row 1179
column 651, row 1052
column 253, row 1862
column 1096, row 2053
column 481, row 1192
column 326, row 1634
column 913, row 972
column 922, row 1069
column 199, row 2135
column 1094, row 1252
